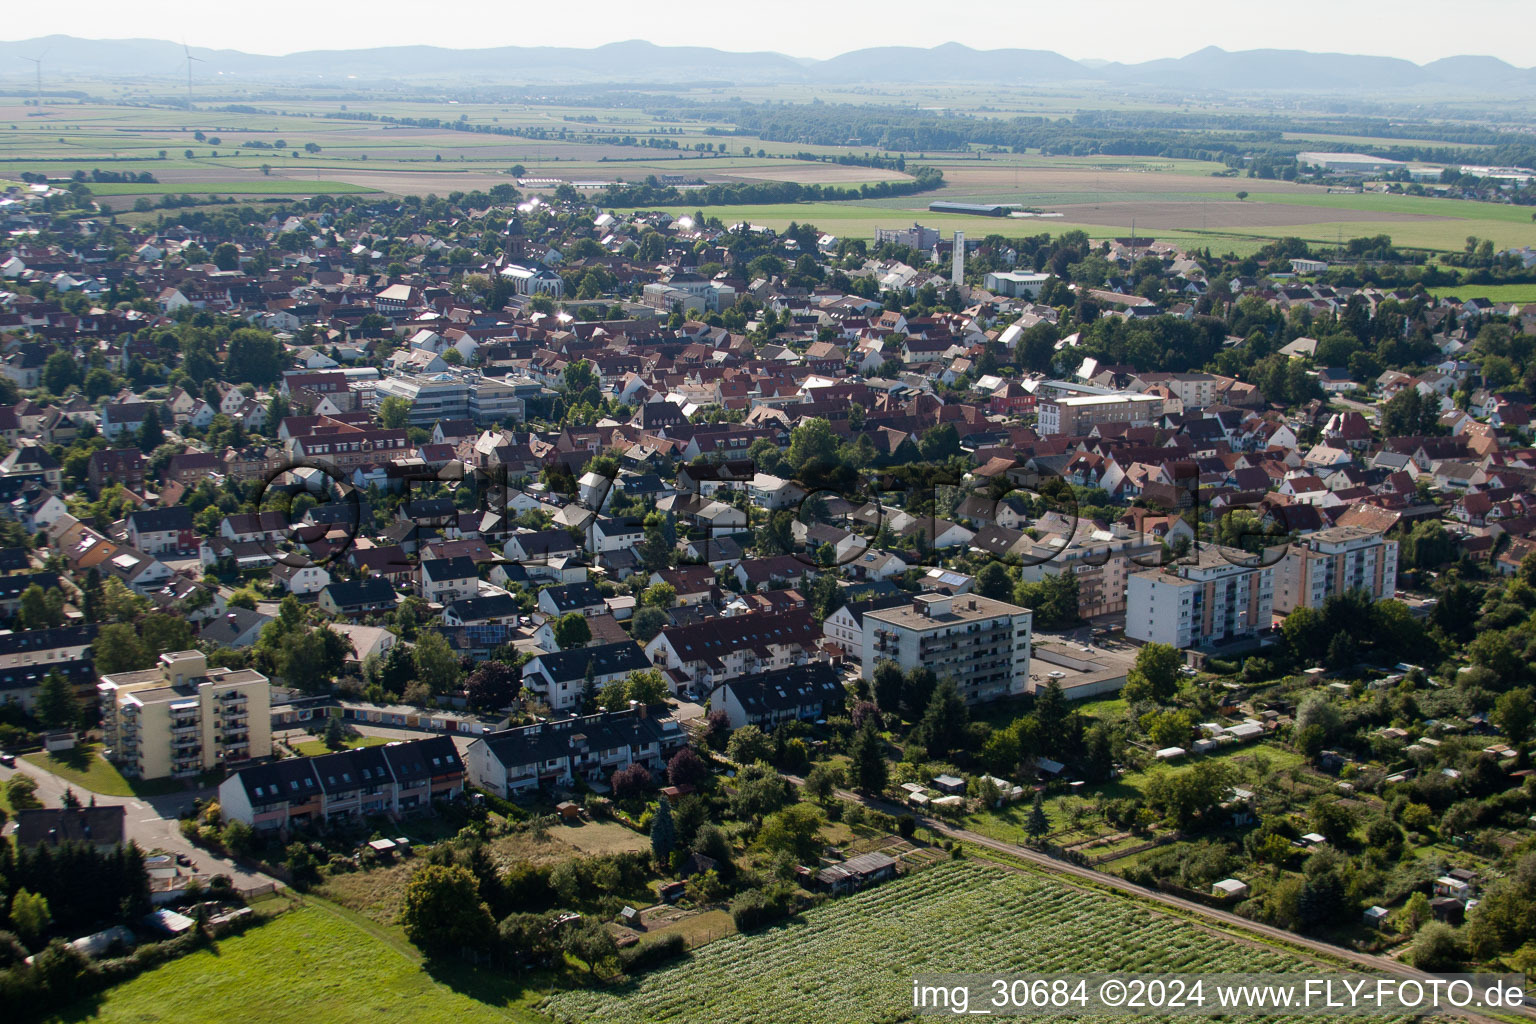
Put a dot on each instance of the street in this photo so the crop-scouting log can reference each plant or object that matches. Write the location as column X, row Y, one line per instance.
column 149, row 821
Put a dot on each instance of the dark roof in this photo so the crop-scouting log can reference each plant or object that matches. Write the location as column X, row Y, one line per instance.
column 340, row 513
column 47, row 639
column 12, row 586
column 713, row 638
column 496, row 606
column 542, row 542
column 346, row 770
column 53, row 825
column 422, row 759
column 605, row 659
column 460, row 567
column 874, row 604
column 791, row 689
column 547, row 741
column 301, row 777
column 156, row 520
column 365, row 590
column 276, row 781
column 572, row 596
column 229, row 627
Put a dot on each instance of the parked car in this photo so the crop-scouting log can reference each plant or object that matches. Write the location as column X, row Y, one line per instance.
column 9, row 760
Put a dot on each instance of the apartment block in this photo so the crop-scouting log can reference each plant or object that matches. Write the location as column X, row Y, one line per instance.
column 980, row 643
column 1077, row 415
column 1102, row 560
column 1335, row 561
column 182, row 717
column 1214, row 598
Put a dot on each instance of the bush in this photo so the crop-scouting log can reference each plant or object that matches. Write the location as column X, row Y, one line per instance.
column 758, row 907
column 1436, row 947
column 647, row 955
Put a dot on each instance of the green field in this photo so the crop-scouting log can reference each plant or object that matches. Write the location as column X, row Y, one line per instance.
column 853, row 960
column 1491, row 292
column 308, row 965
column 255, row 186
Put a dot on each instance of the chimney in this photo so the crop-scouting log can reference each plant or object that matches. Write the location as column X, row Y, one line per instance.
column 640, row 709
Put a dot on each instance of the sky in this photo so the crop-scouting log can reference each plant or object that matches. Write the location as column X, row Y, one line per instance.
column 1123, row 30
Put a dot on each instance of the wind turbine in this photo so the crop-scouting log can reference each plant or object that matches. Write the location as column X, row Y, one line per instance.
column 38, row 63
column 190, row 59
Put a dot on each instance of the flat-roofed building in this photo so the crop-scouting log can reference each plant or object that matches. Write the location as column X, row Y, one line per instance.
column 1223, row 594
column 182, row 717
column 1078, row 415
column 980, row 643
column 1335, row 561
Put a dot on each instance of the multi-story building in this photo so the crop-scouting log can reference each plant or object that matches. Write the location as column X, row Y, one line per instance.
column 914, row 237
column 1101, row 559
column 433, row 397
column 1335, row 561
column 455, row 395
column 1077, row 415
column 393, row 779
column 182, row 717
column 1222, row 594
column 980, row 643
column 557, row 753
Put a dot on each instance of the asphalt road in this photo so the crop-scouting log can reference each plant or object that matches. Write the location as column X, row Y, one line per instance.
column 149, row 821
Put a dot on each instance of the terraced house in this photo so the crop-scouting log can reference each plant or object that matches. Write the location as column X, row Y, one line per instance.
column 396, row 779
column 589, row 747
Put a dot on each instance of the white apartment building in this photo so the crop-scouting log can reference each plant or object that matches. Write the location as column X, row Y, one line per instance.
column 1078, row 415
column 1213, row 599
column 182, row 717
column 980, row 643
column 1335, row 561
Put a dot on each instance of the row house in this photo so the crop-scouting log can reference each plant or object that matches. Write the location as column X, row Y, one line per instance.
column 347, row 786
column 555, row 754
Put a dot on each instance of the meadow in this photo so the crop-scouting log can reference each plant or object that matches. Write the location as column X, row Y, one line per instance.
column 307, row 964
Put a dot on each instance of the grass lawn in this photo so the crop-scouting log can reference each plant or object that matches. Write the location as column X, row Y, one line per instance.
column 85, row 768
column 314, row 748
column 310, row 963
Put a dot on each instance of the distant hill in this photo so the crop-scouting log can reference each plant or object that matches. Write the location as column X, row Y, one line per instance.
column 1210, row 69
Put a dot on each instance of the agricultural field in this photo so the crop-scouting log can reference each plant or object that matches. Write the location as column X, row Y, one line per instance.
column 1173, row 200
column 1491, row 292
column 852, row 960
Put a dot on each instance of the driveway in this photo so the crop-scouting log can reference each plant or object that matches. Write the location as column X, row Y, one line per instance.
column 149, row 821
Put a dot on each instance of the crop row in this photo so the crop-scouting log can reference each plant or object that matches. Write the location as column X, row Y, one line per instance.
column 852, row 960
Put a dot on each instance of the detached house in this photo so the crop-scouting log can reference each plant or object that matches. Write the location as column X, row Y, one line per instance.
column 161, row 531
column 365, row 596
column 445, row 580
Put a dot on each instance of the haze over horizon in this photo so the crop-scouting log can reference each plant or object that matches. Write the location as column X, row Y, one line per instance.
column 1141, row 32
